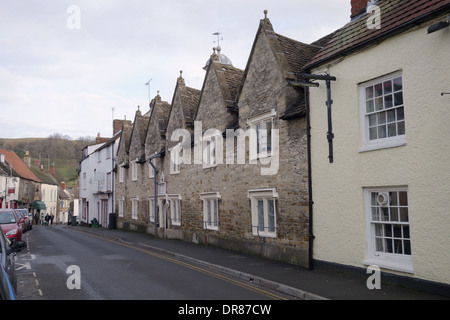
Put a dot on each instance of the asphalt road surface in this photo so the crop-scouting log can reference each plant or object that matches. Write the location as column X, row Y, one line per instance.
column 63, row 264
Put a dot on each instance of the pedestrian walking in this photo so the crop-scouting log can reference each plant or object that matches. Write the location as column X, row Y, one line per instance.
column 36, row 218
column 51, row 218
column 47, row 218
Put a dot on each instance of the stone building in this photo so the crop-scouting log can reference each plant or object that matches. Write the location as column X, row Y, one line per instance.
column 231, row 158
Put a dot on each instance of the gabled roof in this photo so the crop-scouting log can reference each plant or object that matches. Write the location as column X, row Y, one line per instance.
column 19, row 167
column 159, row 109
column 140, row 129
column 189, row 98
column 396, row 16
column 291, row 55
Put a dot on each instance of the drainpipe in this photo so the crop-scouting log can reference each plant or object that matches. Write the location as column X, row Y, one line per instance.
column 155, row 201
column 310, row 194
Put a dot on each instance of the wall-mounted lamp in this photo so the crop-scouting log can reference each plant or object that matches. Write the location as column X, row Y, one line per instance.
column 442, row 93
column 438, row 25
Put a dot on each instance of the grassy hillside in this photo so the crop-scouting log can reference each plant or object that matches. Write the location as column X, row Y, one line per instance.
column 61, row 151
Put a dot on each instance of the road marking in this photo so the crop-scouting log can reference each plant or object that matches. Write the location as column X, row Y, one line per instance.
column 191, row 266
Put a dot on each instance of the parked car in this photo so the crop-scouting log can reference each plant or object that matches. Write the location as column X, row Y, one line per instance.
column 10, row 224
column 8, row 279
column 22, row 222
column 28, row 217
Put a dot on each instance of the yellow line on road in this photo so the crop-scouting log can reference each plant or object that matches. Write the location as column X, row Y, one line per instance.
column 193, row 267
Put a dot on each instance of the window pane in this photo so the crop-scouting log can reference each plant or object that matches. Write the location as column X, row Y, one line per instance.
column 384, row 214
column 400, row 114
column 388, row 246
column 271, row 215
column 401, row 128
column 369, row 92
column 391, row 116
column 378, row 230
column 388, row 101
column 407, row 247
column 379, row 244
column 381, row 117
column 387, row 87
column 208, row 212
column 387, row 230
column 378, row 90
column 216, row 212
column 392, row 130
column 403, row 198
column 375, row 214
column 260, row 215
column 374, row 196
column 398, row 85
column 397, row 231
column 406, row 232
column 404, row 215
column 373, row 133
column 378, row 104
column 398, row 246
column 369, row 106
column 394, row 214
column 381, row 132
column 372, row 120
column 398, row 98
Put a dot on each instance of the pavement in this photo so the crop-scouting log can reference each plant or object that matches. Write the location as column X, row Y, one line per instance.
column 324, row 282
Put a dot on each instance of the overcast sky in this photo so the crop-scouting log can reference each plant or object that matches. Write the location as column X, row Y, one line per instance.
column 64, row 65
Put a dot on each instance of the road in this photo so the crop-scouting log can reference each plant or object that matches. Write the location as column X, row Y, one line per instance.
column 61, row 263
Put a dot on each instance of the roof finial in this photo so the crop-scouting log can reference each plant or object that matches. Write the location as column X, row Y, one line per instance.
column 181, row 73
column 265, row 14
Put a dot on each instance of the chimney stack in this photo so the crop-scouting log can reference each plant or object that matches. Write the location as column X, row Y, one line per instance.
column 358, row 7
column 63, row 185
column 51, row 169
column 27, row 158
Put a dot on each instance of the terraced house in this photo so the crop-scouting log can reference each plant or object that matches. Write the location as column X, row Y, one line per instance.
column 231, row 158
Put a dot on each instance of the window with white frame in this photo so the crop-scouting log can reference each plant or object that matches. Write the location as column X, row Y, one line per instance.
column 383, row 112
column 134, row 207
column 263, row 125
column 120, row 202
column 134, row 170
column 151, row 209
column 388, row 228
column 210, row 210
column 175, row 209
column 263, row 209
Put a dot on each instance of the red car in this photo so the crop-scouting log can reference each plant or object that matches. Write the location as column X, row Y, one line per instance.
column 11, row 225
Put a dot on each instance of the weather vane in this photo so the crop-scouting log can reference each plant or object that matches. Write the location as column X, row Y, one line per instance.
column 218, row 38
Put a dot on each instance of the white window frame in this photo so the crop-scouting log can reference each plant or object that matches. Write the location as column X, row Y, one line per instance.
column 134, row 170
column 175, row 209
column 388, row 116
column 120, row 201
column 134, row 208
column 151, row 209
column 387, row 227
column 210, row 210
column 263, row 199
column 262, row 135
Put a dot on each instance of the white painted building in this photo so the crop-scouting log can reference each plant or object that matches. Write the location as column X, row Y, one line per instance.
column 384, row 199
column 96, row 178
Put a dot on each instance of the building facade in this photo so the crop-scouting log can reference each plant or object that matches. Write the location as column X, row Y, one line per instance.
column 231, row 158
column 384, row 199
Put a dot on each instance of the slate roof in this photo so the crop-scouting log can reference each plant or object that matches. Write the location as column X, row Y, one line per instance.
column 396, row 17
column 19, row 167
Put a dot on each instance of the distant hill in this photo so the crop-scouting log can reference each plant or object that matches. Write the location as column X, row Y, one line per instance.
column 64, row 152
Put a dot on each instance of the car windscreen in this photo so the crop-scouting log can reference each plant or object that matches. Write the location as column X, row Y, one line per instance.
column 7, row 217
